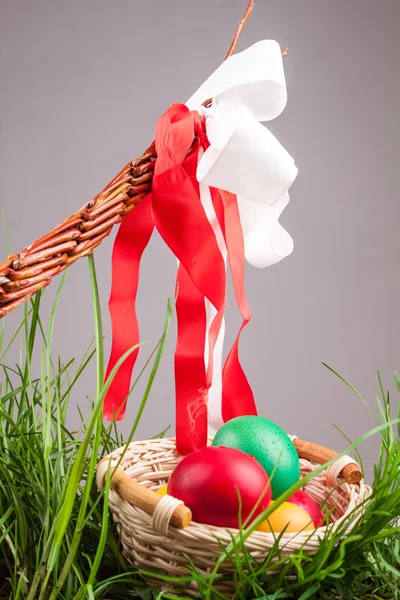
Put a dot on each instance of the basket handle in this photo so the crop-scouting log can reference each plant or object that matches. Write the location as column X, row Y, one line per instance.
column 141, row 497
column 351, row 473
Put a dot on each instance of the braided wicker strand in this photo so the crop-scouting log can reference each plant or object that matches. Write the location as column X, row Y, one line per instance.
column 23, row 274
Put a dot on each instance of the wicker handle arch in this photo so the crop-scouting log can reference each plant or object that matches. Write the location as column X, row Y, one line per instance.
column 24, row 273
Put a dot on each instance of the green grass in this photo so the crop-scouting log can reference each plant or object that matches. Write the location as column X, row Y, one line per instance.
column 57, row 539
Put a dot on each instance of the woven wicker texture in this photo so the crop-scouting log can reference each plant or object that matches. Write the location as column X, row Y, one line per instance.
column 151, row 462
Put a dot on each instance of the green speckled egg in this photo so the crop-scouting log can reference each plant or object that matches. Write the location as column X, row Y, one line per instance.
column 268, row 443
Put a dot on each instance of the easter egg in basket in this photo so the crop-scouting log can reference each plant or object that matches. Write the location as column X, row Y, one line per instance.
column 311, row 507
column 210, row 481
column 268, row 443
column 289, row 518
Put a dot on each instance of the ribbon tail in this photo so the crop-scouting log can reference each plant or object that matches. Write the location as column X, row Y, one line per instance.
column 190, row 372
column 237, row 395
column 215, row 420
column 215, row 319
column 132, row 238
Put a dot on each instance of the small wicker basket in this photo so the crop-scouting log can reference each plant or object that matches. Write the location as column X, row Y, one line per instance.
column 155, row 530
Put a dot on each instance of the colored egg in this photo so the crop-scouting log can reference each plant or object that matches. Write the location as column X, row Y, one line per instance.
column 311, row 507
column 288, row 517
column 210, row 480
column 269, row 445
column 162, row 490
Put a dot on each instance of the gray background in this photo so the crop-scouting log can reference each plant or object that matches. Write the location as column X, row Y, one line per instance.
column 82, row 84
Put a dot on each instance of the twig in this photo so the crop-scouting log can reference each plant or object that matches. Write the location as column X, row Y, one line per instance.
column 242, row 23
column 239, row 30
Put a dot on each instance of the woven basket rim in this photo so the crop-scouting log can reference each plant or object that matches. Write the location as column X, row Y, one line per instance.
column 358, row 494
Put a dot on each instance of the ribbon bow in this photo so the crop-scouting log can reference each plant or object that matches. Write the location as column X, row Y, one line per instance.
column 244, row 157
column 220, row 202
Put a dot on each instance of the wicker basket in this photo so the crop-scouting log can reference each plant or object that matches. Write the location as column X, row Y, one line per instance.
column 151, row 541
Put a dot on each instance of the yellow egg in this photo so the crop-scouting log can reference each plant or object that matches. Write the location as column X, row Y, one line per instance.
column 163, row 490
column 290, row 515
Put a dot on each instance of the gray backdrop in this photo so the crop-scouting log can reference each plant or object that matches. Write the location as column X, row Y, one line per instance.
column 82, row 84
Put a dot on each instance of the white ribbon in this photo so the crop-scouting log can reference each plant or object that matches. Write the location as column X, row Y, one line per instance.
column 246, row 159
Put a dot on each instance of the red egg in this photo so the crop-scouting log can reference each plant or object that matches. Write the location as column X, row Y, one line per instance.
column 210, row 480
column 311, row 507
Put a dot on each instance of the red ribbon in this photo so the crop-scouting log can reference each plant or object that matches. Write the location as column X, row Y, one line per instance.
column 175, row 209
column 237, row 396
column 131, row 240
